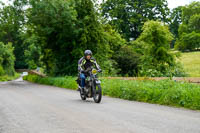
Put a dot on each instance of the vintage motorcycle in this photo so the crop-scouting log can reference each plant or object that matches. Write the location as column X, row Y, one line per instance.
column 92, row 86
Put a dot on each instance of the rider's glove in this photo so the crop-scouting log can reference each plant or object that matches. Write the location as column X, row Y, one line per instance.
column 99, row 70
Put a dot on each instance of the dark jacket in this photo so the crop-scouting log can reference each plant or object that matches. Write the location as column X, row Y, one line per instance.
column 83, row 64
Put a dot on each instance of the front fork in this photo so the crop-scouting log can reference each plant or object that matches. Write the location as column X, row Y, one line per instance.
column 95, row 83
column 92, row 87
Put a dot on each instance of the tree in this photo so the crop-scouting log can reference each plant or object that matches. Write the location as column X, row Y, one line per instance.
column 189, row 30
column 190, row 10
column 7, row 59
column 194, row 23
column 92, row 33
column 12, row 20
column 157, row 60
column 64, row 30
column 127, row 61
column 33, row 52
column 176, row 20
column 114, row 42
column 128, row 16
column 188, row 41
column 55, row 22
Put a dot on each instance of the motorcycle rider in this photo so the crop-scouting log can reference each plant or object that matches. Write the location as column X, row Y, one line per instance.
column 83, row 64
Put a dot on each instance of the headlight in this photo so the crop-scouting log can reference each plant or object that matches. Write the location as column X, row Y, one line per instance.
column 94, row 71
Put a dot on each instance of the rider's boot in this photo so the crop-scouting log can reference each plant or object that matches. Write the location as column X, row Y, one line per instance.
column 79, row 88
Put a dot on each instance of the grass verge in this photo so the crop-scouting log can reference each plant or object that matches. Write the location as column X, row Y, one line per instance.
column 164, row 92
column 9, row 78
column 191, row 62
column 63, row 82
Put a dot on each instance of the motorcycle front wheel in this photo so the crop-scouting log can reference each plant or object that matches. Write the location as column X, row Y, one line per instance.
column 97, row 94
column 83, row 97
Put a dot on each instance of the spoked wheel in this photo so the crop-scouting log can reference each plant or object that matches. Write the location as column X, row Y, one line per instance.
column 97, row 94
column 83, row 97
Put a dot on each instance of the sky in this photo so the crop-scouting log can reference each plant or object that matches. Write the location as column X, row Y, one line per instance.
column 175, row 3
column 172, row 3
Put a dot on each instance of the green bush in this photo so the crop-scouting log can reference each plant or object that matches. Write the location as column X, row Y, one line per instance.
column 7, row 59
column 189, row 30
column 1, row 71
column 190, row 41
column 127, row 61
column 165, row 92
column 9, row 78
column 156, row 58
column 175, row 70
column 64, row 82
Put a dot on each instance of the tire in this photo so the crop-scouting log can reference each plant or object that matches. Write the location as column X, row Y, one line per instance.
column 97, row 94
column 83, row 97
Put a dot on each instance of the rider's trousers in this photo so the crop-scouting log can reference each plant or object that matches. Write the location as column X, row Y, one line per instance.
column 82, row 76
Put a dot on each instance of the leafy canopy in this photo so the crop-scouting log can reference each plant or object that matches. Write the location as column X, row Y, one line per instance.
column 128, row 16
column 157, row 60
column 189, row 30
column 7, row 59
column 12, row 20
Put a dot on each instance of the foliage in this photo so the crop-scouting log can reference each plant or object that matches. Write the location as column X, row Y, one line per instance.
column 194, row 23
column 33, row 52
column 190, row 10
column 113, row 38
column 52, row 34
column 127, row 61
column 189, row 30
column 156, row 57
column 64, row 82
column 115, row 42
column 7, row 59
column 176, row 20
column 2, row 72
column 128, row 16
column 12, row 20
column 63, row 30
column 9, row 78
column 54, row 22
column 189, row 41
column 101, row 39
column 165, row 92
column 154, row 42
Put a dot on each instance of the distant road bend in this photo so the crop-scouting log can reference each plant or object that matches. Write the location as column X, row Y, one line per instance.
column 31, row 108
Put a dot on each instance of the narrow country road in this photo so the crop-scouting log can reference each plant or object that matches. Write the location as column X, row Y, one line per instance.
column 31, row 108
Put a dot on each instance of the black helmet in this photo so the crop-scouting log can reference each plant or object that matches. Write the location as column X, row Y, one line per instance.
column 88, row 52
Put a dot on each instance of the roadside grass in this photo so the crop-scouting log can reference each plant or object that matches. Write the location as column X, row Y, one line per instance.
column 9, row 78
column 63, row 82
column 191, row 62
column 164, row 92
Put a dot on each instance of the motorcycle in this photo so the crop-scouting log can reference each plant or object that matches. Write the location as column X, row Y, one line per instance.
column 92, row 86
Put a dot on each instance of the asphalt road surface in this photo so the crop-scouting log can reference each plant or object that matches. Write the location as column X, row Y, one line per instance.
column 31, row 108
